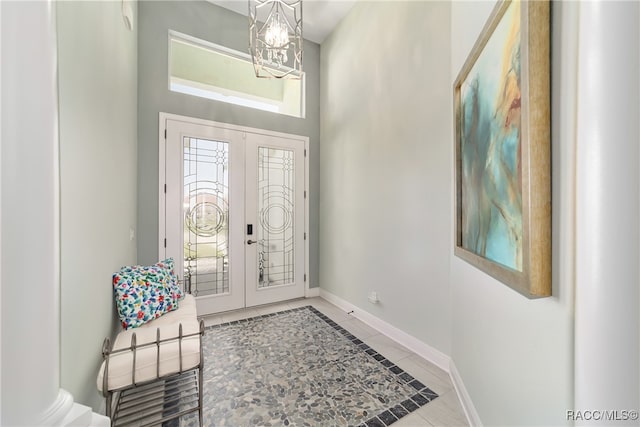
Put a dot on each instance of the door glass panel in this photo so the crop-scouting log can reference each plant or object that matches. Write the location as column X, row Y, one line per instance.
column 275, row 231
column 206, row 216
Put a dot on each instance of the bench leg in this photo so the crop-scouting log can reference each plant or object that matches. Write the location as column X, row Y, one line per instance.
column 200, row 393
column 108, row 406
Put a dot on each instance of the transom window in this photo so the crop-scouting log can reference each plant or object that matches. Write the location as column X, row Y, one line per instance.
column 207, row 70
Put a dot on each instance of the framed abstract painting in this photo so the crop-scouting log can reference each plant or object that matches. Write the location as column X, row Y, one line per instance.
column 503, row 149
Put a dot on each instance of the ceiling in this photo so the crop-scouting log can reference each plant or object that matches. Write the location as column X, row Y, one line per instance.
column 319, row 17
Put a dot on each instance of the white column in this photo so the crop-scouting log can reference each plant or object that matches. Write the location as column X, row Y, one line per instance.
column 607, row 335
column 30, row 218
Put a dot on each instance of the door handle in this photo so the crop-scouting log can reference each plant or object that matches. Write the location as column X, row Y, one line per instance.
column 251, row 242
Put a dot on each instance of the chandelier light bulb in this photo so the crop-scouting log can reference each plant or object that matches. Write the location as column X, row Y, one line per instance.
column 275, row 29
column 277, row 35
column 277, row 39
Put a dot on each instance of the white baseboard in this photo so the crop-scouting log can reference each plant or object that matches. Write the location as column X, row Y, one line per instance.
column 78, row 416
column 312, row 292
column 59, row 409
column 98, row 420
column 463, row 395
column 422, row 349
column 65, row 412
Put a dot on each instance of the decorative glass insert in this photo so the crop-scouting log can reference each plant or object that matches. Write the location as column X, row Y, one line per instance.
column 206, row 216
column 275, row 217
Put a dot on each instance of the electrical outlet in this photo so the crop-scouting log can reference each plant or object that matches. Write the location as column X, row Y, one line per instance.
column 373, row 297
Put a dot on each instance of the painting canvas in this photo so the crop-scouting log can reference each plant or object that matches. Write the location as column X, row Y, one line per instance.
column 502, row 149
column 491, row 160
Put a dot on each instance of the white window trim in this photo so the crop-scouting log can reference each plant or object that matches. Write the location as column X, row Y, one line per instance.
column 216, row 93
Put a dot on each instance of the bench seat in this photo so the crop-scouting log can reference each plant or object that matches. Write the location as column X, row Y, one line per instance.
column 153, row 360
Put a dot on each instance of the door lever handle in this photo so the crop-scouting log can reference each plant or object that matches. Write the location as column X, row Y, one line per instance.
column 251, row 242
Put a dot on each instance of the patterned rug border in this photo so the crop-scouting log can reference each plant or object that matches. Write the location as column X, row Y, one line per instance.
column 387, row 417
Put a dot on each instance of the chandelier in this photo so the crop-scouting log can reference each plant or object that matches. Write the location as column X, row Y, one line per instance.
column 275, row 38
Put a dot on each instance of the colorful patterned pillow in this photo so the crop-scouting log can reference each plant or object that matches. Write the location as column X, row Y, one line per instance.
column 144, row 293
column 175, row 289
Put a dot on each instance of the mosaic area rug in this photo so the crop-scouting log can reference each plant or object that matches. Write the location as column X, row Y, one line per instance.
column 300, row 368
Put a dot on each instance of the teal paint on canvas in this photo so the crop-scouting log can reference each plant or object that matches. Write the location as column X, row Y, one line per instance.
column 491, row 148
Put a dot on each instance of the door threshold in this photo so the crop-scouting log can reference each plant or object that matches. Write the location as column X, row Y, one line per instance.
column 246, row 313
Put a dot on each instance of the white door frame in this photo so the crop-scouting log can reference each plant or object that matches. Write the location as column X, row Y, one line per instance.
column 162, row 143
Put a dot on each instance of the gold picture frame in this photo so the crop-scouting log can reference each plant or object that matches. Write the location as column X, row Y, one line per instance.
column 503, row 149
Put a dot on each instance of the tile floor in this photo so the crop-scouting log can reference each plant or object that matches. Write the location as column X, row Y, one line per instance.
column 443, row 411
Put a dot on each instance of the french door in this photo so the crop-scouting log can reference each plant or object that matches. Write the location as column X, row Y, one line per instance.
column 232, row 212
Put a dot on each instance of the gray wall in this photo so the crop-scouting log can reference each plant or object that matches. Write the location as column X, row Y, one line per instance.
column 212, row 23
column 515, row 355
column 386, row 179
column 98, row 148
column 386, row 207
column 579, row 348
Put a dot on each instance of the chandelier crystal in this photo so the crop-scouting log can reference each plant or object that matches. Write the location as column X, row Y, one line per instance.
column 275, row 38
